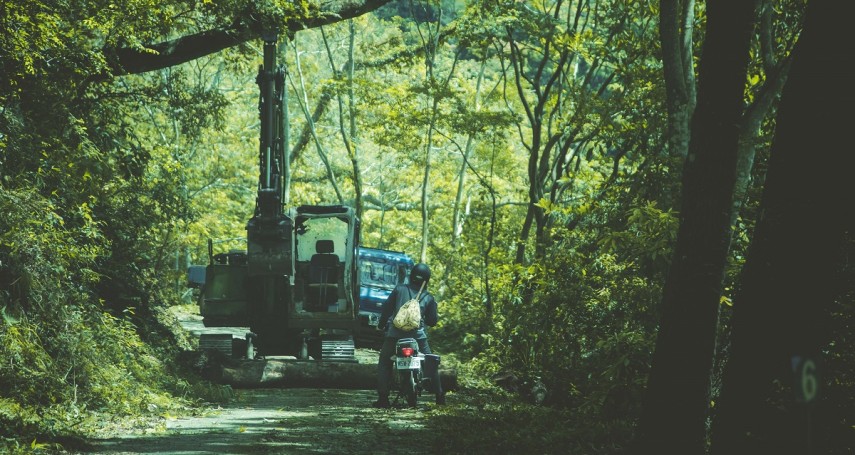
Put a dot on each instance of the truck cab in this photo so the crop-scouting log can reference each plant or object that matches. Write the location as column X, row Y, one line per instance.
column 379, row 272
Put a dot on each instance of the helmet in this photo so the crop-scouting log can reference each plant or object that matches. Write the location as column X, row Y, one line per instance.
column 420, row 274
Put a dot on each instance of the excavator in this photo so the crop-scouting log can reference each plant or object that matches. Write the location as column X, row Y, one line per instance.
column 295, row 289
column 296, row 286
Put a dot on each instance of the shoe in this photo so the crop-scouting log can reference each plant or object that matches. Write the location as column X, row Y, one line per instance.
column 382, row 403
column 440, row 398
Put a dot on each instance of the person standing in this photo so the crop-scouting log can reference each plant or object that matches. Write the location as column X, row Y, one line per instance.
column 419, row 278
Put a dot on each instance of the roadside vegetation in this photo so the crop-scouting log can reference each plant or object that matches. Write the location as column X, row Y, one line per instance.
column 70, row 366
column 533, row 153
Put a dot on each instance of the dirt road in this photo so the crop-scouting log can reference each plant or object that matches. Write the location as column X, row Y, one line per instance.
column 287, row 421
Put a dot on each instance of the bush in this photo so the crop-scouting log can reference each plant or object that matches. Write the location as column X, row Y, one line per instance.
column 65, row 358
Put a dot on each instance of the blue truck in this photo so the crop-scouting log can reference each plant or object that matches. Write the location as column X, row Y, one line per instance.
column 379, row 272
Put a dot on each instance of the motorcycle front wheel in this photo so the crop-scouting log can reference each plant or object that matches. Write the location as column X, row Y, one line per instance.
column 407, row 382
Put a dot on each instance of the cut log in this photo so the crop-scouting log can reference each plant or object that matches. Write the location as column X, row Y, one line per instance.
column 310, row 374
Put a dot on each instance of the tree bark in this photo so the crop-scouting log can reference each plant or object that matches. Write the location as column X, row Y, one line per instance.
column 677, row 398
column 354, row 140
column 781, row 310
column 776, row 71
column 751, row 122
column 426, row 191
column 676, row 19
column 190, row 47
column 456, row 223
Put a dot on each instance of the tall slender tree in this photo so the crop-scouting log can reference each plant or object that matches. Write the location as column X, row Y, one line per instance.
column 678, row 392
column 676, row 27
column 776, row 37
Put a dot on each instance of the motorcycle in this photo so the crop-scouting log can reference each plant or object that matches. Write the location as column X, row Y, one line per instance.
column 414, row 370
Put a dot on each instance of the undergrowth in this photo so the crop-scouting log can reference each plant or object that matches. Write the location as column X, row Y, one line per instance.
column 482, row 417
column 69, row 364
column 491, row 421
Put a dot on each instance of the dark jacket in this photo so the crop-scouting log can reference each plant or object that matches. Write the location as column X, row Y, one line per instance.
column 400, row 295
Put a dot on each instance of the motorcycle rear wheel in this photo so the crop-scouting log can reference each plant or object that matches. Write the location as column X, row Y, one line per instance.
column 408, row 386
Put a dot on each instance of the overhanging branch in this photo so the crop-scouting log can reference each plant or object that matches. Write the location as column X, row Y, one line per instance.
column 190, row 47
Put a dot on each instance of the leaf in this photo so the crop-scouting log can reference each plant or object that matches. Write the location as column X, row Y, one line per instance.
column 7, row 318
column 544, row 204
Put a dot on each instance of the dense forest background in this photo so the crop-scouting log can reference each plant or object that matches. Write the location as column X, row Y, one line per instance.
column 603, row 189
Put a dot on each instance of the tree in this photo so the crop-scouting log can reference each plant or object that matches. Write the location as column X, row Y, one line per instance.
column 774, row 43
column 310, row 122
column 777, row 32
column 349, row 135
column 783, row 307
column 677, row 398
column 436, row 90
column 567, row 72
column 676, row 27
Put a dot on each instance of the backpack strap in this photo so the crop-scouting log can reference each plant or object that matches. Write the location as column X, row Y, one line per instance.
column 418, row 296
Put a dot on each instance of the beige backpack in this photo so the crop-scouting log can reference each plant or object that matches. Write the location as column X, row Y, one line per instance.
column 409, row 316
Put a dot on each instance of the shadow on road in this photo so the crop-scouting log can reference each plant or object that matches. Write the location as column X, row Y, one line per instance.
column 292, row 421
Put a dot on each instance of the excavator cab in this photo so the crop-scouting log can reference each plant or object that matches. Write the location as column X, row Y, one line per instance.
column 326, row 289
column 300, row 299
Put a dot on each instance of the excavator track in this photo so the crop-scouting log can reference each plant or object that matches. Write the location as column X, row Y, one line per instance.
column 221, row 342
column 338, row 350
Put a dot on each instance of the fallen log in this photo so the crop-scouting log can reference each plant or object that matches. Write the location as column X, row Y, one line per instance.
column 309, row 374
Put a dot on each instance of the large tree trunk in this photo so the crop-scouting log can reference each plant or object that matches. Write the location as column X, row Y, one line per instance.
column 426, row 191
column 677, row 399
column 787, row 288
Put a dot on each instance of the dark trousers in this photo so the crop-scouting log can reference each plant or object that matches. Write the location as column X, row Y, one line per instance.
column 384, row 366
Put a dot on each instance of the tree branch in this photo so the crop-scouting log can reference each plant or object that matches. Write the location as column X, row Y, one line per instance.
column 186, row 48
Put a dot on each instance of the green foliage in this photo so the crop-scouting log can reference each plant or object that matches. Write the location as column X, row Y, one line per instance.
column 648, row 239
column 92, row 208
column 588, row 333
column 489, row 421
column 64, row 358
column 110, row 187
